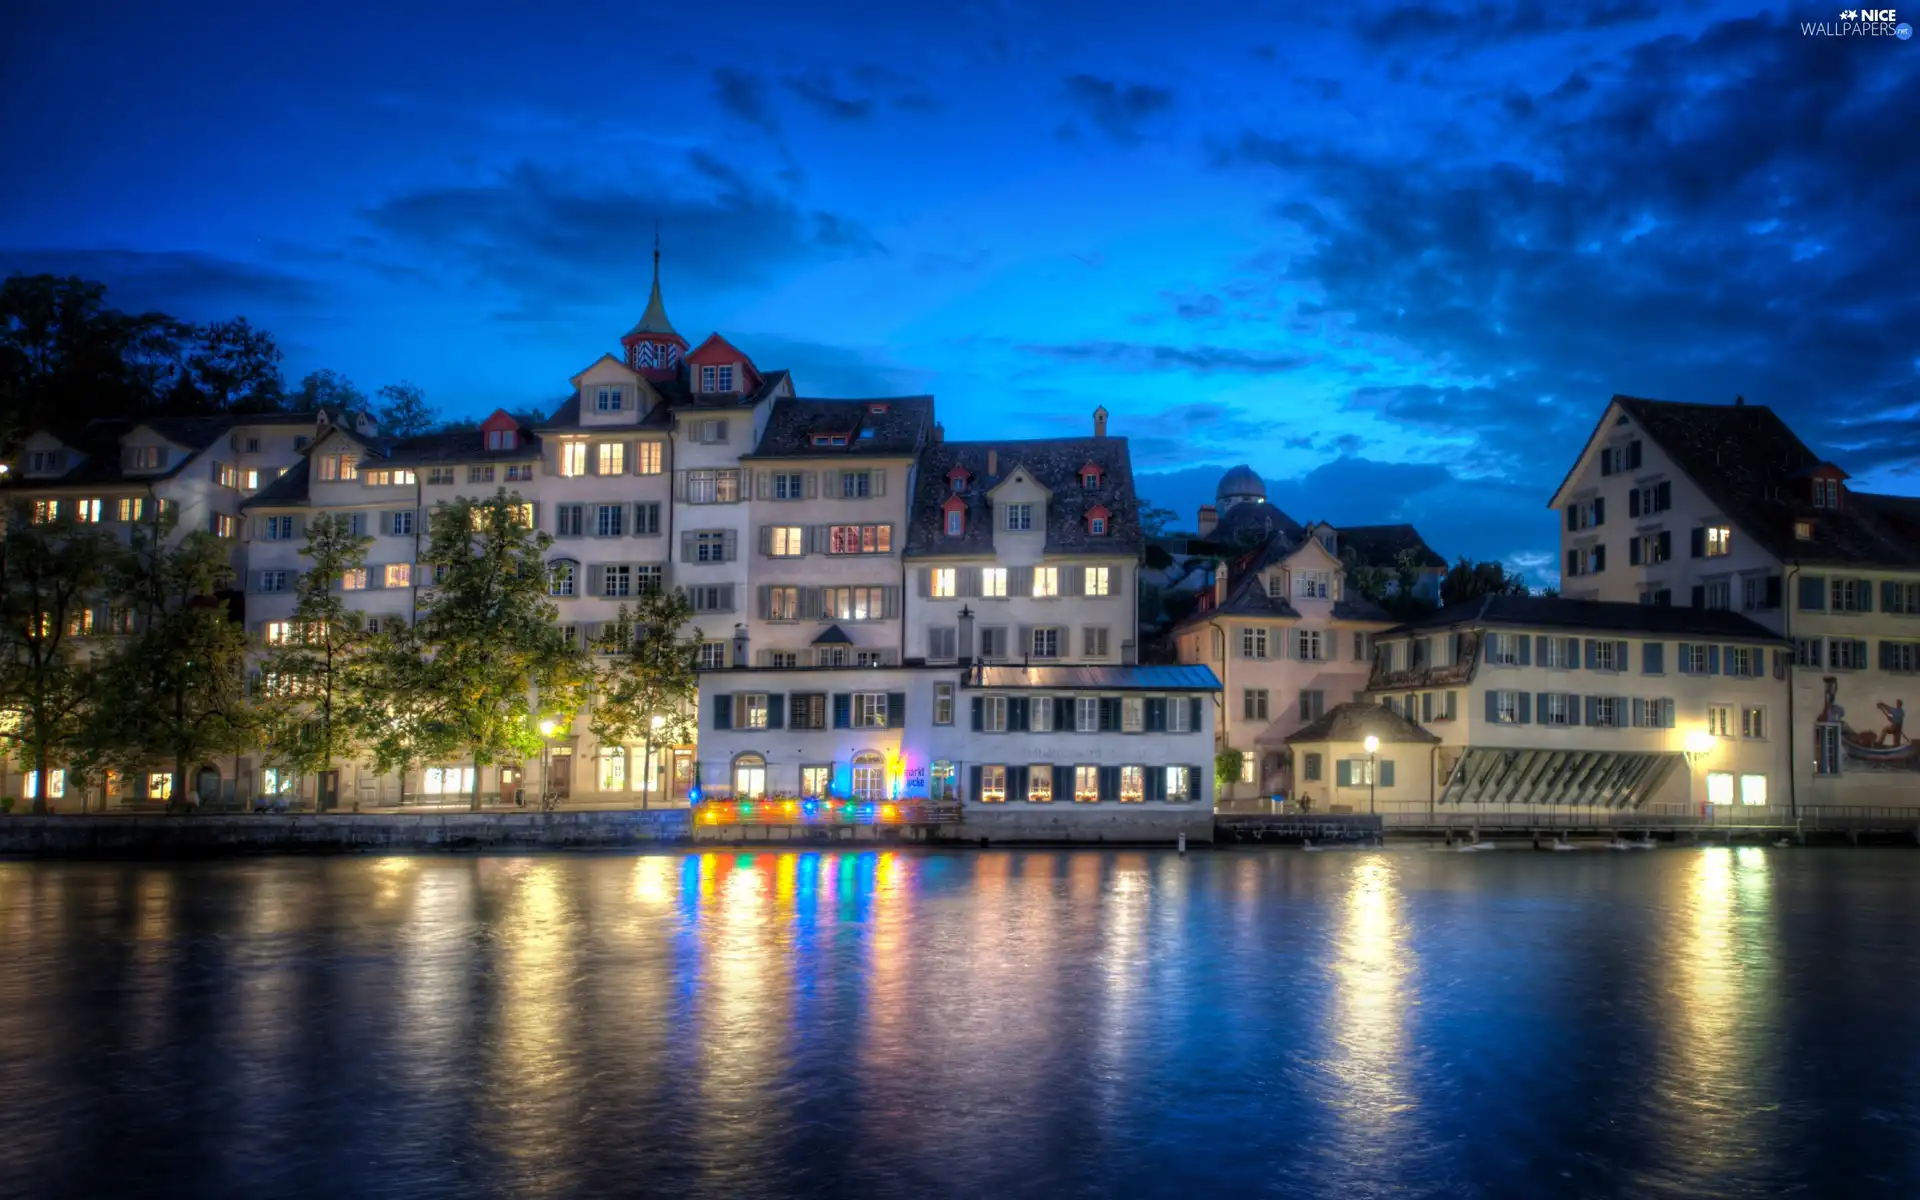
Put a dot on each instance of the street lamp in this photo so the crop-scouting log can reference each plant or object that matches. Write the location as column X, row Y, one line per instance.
column 1373, row 768
column 653, row 734
column 1698, row 745
column 546, row 733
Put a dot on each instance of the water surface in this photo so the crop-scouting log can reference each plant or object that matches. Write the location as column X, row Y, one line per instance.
column 1075, row 1023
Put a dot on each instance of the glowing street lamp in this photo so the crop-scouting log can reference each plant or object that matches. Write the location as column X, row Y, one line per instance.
column 646, row 779
column 547, row 726
column 1373, row 768
column 1698, row 745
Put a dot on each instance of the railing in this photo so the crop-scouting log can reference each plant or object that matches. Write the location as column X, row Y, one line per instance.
column 825, row 813
column 1653, row 816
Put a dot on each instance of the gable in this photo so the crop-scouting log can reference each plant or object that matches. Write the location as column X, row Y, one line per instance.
column 1019, row 484
column 1602, row 433
column 1312, row 556
column 605, row 369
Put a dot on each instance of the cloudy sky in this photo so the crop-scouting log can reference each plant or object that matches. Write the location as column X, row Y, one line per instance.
column 1395, row 258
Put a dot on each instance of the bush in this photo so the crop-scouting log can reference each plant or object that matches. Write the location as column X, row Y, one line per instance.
column 1226, row 767
column 7, row 803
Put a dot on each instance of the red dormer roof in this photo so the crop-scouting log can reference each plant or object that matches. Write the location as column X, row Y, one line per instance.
column 1092, row 468
column 954, row 504
column 959, row 474
column 1100, row 512
column 717, row 351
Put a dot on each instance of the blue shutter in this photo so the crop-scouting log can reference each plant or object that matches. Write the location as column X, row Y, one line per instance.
column 1865, row 591
column 1386, row 772
column 1526, row 708
column 973, row 775
column 1573, row 517
column 842, row 711
column 1193, row 714
column 1593, row 653
column 1685, row 663
column 1493, row 705
column 723, row 712
column 979, row 719
column 1156, row 714
column 1343, row 772
column 1713, row 660
column 1573, row 653
column 1813, row 593
column 896, row 710
column 1652, row 658
column 1486, row 646
column 1889, row 595
column 1573, row 711
column 776, row 711
column 1541, row 707
column 1620, row 661
column 1541, row 653
column 1592, row 702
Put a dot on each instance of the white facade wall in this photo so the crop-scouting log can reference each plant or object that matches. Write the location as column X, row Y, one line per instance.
column 712, row 440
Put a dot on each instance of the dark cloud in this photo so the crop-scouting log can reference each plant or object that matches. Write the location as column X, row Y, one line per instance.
column 1188, row 431
column 1119, row 109
column 818, row 93
column 186, row 284
column 560, row 238
column 1197, row 308
column 1482, row 24
column 1152, row 357
column 745, row 96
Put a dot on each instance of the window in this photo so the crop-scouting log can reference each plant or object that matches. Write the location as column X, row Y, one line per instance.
column 250, row 479
column 87, row 511
column 1654, row 498
column 993, row 714
column 713, row 655
column 753, row 711
column 399, row 575
column 1093, row 641
column 41, row 462
column 868, row 658
column 611, row 458
column 993, row 582
column 279, row 633
column 783, row 603
column 993, row 784
column 646, row 458
column 1019, row 517
column 1719, row 787
column 1555, row 709
column 870, row 710
column 1040, row 784
column 480, row 474
column 1903, row 657
column 646, row 519
column 1720, row 720
column 273, row 581
column 1717, row 594
column 1506, row 708
column 1620, row 458
column 711, row 597
column 710, row 546
column 613, row 769
column 569, row 520
column 447, row 781
column 1355, row 772
column 1826, row 749
column 1753, row 789
column 1847, row 654
column 1248, row 767
column 609, row 520
column 1362, row 646
column 1803, row 531
column 943, row 643
column 1606, row 712
column 1851, row 595
column 993, row 642
column 1253, row 643
column 1740, row 660
column 749, row 777
column 1277, row 586
column 1504, row 649
column 1806, row 652
column 160, row 785
column 783, row 658
column 1133, row 714
column 134, row 508
column 1311, row 644
column 945, row 582
column 1253, row 704
column 1179, row 784
column 573, row 460
column 616, row 580
column 562, row 578
column 1046, row 642
column 222, row 525
column 1133, row 785
column 1097, row 526
column 1098, row 581
column 789, row 487
column 1086, row 714
column 1604, row 654
column 1753, row 592
column 856, row 485
column 1719, row 541
column 1313, row 705
column 440, row 475
column 1753, row 722
column 1178, row 713
column 814, row 780
column 147, row 458
column 860, row 539
column 943, row 704
column 856, row 603
column 401, row 523
column 354, row 580
column 1089, row 481
column 1313, row 585
column 710, row 432
column 1046, row 581
column 45, row 511
column 1086, row 785
column 647, row 578
column 609, row 400
column 1826, row 493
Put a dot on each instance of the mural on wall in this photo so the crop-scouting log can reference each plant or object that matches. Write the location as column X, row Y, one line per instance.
column 1885, row 746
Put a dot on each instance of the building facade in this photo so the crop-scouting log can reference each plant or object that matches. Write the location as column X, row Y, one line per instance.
column 1724, row 508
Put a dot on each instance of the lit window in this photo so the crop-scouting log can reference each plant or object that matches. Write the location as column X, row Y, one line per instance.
column 354, row 580
column 646, row 457
column 56, row 784
column 1040, row 784
column 945, row 582
column 87, row 511
column 1719, row 787
column 45, row 511
column 993, row 784
column 399, row 575
column 1753, row 789
column 1133, row 714
column 1719, row 541
column 1313, row 585
column 870, row 776
column 956, row 523
column 1753, row 722
column 1046, row 581
column 279, row 633
column 1720, row 720
column 1099, row 580
column 134, row 508
column 753, row 711
column 783, row 604
column 860, row 539
column 573, row 459
column 993, row 582
column 943, row 704
column 1086, row 785
column 1133, row 785
column 1178, row 786
column 613, row 769
column 814, row 780
column 613, row 458
column 277, row 781
column 160, row 785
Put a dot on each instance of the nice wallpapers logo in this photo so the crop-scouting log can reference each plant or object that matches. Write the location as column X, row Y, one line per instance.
column 1860, row 22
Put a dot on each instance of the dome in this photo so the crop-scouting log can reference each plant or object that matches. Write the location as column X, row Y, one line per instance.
column 1240, row 484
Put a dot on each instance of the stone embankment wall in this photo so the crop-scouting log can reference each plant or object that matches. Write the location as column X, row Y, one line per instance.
column 182, row 837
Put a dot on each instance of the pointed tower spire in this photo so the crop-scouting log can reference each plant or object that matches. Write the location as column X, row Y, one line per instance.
column 653, row 345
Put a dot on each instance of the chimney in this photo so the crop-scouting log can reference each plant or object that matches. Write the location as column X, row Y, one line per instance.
column 1209, row 517
column 939, row 432
column 740, row 644
column 963, row 643
column 993, row 462
column 1100, row 421
column 1129, row 653
column 1739, row 401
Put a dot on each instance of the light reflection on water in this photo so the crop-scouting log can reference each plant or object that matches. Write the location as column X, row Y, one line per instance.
column 1693, row 1022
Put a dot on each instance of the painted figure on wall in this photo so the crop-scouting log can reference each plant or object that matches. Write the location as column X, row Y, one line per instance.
column 1896, row 715
column 1888, row 748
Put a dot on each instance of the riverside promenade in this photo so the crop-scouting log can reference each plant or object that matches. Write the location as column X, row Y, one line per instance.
column 112, row 835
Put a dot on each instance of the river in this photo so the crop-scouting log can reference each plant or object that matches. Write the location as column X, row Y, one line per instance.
column 1690, row 1022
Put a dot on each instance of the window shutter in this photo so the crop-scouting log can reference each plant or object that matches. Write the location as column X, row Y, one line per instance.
column 1486, row 647
column 1386, row 772
column 830, row 484
column 1573, row 562
column 1606, row 460
column 1813, row 593
column 1573, row 517
column 680, row 485
column 926, row 581
column 776, row 711
column 979, row 719
column 763, row 485
column 1599, row 558
column 1156, row 781
column 1633, row 553
column 729, row 551
column 1018, row 708
column 1026, row 642
column 966, row 581
column 973, row 775
column 1633, row 455
column 842, row 710
column 1889, row 593
column 1666, row 545
column 1865, row 591
column 1526, row 708
column 1155, row 715
column 1193, row 714
column 1620, row 656
column 1697, row 541
column 896, row 710
column 1599, row 510
column 891, row 599
column 1573, row 710
column 1633, row 503
column 723, row 712
column 1639, row 712
column 1652, row 655
column 1591, row 703
column 809, row 485
column 1699, row 596
column 1016, row 783
column 766, row 541
column 1713, row 660
column 1019, row 581
column 686, row 545
column 1063, row 714
column 1526, row 652
column 1343, row 770
column 1593, row 654
column 1109, row 714
column 1109, row 783
column 812, row 604
column 879, row 485
column 1073, row 581
column 1063, row 783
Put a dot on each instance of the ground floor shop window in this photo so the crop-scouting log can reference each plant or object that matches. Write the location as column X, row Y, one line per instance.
column 448, row 781
column 1753, row 789
column 1133, row 785
column 56, row 784
column 993, row 784
column 870, row 776
column 1719, row 787
column 749, row 777
column 160, row 785
column 941, row 781
column 277, row 781
column 814, row 780
column 1086, row 785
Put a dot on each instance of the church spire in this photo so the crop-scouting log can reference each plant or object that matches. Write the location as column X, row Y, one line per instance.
column 654, row 346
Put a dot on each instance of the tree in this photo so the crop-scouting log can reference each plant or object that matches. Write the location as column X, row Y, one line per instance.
column 328, row 389
column 178, row 684
column 308, row 682
column 404, row 411
column 1156, row 521
column 1227, row 767
column 1470, row 581
column 63, row 352
column 52, row 578
column 490, row 629
column 647, row 688
column 402, row 708
column 1393, row 587
column 236, row 368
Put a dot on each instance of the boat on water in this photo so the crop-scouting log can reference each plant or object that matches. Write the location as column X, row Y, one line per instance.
column 1474, row 847
column 1561, row 846
column 1640, row 844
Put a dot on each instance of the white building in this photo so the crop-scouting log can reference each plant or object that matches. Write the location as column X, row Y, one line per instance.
column 1722, row 507
column 1544, row 704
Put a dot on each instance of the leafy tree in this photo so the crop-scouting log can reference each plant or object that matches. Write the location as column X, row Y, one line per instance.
column 64, row 352
column 328, row 389
column 178, row 684
column 1393, row 587
column 236, row 368
column 459, row 425
column 647, row 688
column 309, row 681
column 52, row 579
column 1156, row 521
column 1469, row 580
column 404, row 411
column 402, row 705
column 492, row 632
column 1226, row 766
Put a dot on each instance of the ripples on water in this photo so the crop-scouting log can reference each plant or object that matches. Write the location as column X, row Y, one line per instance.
column 1687, row 1023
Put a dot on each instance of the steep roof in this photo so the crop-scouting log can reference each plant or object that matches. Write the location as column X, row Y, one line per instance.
column 1381, row 545
column 464, row 445
column 1554, row 612
column 101, row 441
column 1355, row 720
column 1055, row 464
column 1247, row 594
column 678, row 396
column 288, row 491
column 899, row 430
column 1249, row 522
column 1745, row 458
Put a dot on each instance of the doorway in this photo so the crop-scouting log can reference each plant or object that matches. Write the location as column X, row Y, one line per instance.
column 682, row 772
column 326, row 791
column 206, row 787
column 560, row 776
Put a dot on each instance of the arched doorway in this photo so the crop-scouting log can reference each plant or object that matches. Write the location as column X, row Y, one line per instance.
column 206, row 786
column 749, row 777
column 869, row 776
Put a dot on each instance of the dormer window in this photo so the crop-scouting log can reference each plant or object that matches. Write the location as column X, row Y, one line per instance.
column 958, row 478
column 1090, row 477
column 43, row 462
column 144, row 458
column 609, row 400
column 879, row 409
column 1803, row 531
column 1826, row 493
column 829, row 439
column 717, row 379
column 508, row 439
column 1098, row 520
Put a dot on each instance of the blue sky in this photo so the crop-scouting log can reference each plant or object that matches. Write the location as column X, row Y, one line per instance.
column 1394, row 257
